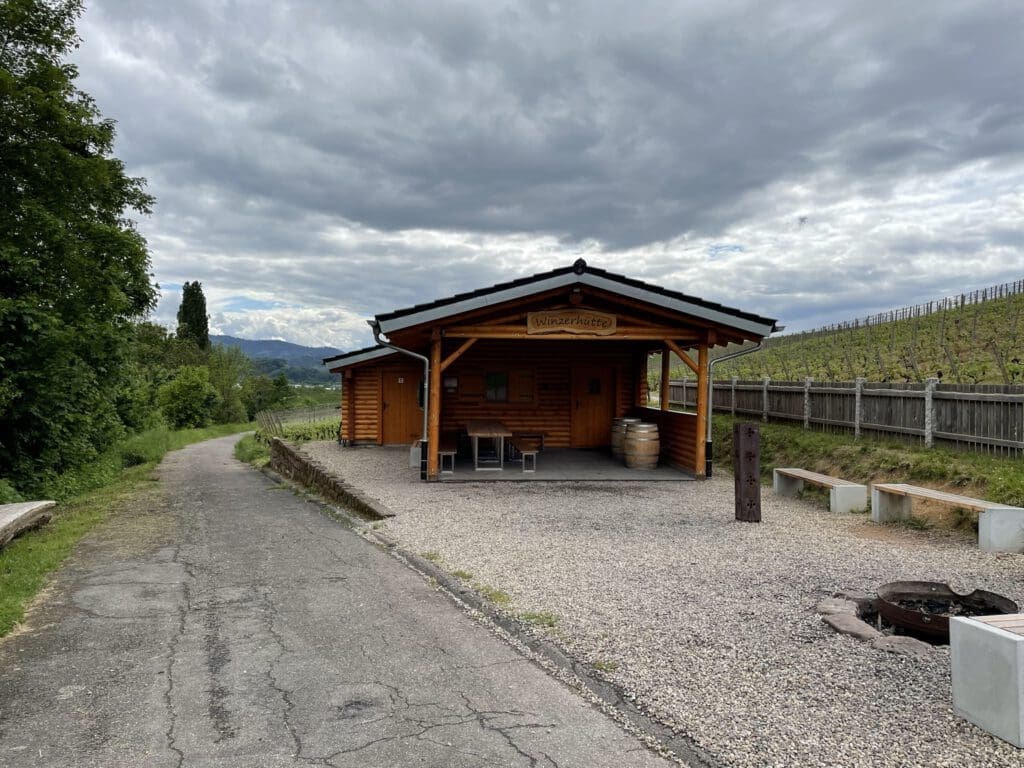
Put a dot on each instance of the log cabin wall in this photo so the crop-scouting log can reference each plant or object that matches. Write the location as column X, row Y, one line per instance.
column 539, row 377
column 677, row 433
column 365, row 388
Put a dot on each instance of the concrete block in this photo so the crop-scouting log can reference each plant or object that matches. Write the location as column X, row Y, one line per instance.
column 988, row 677
column 887, row 507
column 784, row 485
column 1001, row 529
column 844, row 499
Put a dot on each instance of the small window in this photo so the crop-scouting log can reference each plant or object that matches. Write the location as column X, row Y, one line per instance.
column 497, row 387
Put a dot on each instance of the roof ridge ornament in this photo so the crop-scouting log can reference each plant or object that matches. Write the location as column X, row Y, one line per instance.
column 579, row 266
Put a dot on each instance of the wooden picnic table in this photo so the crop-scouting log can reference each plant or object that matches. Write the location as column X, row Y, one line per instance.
column 489, row 430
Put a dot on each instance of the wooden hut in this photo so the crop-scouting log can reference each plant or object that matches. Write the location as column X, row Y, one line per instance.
column 558, row 354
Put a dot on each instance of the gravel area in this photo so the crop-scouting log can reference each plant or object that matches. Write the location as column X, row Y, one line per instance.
column 708, row 623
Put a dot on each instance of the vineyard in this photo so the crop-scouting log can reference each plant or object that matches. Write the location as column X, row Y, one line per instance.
column 974, row 338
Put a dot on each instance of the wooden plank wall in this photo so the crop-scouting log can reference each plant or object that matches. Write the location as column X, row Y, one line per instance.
column 677, row 433
column 366, row 391
column 551, row 412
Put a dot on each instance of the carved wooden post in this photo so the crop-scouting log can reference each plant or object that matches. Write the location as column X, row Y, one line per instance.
column 746, row 442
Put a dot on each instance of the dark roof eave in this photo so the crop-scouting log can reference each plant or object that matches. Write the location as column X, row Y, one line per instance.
column 744, row 321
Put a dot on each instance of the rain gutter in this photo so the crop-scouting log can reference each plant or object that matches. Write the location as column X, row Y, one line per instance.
column 375, row 326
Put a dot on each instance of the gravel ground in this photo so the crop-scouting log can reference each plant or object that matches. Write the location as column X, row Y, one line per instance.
column 708, row 623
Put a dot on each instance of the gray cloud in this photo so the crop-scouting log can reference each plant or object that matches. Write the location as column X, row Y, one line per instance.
column 365, row 156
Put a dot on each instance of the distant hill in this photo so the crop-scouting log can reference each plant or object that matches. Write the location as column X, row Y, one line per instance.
column 301, row 365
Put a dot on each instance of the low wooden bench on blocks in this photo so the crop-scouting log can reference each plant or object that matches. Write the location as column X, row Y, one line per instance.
column 527, row 446
column 446, row 449
column 21, row 517
column 1000, row 526
column 843, row 495
column 987, row 656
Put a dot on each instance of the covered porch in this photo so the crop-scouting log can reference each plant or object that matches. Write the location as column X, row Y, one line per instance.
column 555, row 358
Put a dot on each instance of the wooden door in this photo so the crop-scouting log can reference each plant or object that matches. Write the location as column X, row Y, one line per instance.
column 401, row 415
column 593, row 401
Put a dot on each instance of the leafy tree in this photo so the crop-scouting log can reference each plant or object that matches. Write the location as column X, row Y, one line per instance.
column 193, row 323
column 74, row 272
column 258, row 394
column 282, row 389
column 228, row 369
column 189, row 400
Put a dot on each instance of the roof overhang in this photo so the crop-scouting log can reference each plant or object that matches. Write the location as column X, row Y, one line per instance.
column 340, row 362
column 747, row 324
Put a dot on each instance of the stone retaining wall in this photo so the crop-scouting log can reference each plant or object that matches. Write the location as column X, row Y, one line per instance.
column 290, row 462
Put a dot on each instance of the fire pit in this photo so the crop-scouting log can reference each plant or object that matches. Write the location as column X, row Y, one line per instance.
column 923, row 608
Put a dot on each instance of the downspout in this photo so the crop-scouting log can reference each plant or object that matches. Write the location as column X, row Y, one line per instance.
column 711, row 395
column 375, row 326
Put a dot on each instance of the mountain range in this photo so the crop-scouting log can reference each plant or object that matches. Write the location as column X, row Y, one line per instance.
column 301, row 365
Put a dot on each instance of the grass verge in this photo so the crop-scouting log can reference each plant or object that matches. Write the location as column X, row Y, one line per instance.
column 87, row 497
column 252, row 450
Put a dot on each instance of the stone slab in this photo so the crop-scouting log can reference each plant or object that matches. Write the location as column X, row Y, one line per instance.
column 848, row 624
column 20, row 517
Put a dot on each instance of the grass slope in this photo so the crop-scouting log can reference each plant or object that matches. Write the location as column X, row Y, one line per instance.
column 979, row 343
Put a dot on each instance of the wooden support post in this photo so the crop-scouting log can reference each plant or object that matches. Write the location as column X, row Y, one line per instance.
column 434, row 408
column 702, row 411
column 666, row 354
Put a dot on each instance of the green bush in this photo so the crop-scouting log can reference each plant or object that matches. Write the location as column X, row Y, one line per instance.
column 189, row 400
column 8, row 493
column 316, row 430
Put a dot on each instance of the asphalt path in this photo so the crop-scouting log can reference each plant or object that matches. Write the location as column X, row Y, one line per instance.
column 228, row 622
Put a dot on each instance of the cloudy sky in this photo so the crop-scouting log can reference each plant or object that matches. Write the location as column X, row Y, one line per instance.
column 318, row 162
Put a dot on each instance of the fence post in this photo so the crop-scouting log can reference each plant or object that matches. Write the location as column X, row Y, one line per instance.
column 807, row 402
column 764, row 399
column 733, row 401
column 858, row 413
column 684, row 391
column 929, row 412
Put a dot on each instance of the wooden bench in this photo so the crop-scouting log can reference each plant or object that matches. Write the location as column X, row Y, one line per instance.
column 1000, row 526
column 527, row 446
column 843, row 495
column 446, row 449
column 23, row 516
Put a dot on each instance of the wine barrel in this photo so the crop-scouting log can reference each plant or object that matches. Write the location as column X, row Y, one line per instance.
column 619, row 435
column 641, row 446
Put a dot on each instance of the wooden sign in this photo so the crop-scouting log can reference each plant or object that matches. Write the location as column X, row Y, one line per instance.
column 582, row 321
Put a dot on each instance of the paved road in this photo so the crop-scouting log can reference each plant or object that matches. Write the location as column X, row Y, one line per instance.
column 230, row 623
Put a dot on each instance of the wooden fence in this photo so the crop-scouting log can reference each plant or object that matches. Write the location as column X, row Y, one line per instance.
column 272, row 422
column 980, row 417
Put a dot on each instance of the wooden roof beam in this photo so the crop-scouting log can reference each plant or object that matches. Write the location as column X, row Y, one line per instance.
column 681, row 354
column 457, row 353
